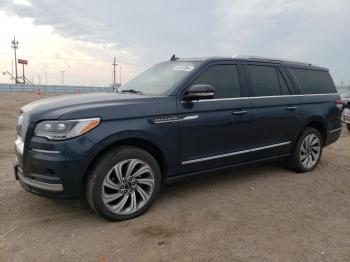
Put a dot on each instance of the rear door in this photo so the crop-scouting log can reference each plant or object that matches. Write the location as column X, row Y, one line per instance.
column 276, row 116
column 214, row 131
column 318, row 99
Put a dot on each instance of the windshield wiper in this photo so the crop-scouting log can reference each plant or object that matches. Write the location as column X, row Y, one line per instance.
column 132, row 91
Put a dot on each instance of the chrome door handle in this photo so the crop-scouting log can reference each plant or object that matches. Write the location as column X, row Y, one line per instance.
column 291, row 108
column 239, row 113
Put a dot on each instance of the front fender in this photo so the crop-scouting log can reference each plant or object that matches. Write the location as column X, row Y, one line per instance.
column 164, row 137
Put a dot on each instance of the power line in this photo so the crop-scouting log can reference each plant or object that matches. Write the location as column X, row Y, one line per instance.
column 77, row 59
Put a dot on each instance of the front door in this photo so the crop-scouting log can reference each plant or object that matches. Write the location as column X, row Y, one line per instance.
column 214, row 132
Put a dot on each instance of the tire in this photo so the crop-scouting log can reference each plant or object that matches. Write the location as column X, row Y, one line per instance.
column 123, row 183
column 307, row 151
column 348, row 127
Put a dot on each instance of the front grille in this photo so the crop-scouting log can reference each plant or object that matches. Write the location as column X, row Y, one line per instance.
column 22, row 127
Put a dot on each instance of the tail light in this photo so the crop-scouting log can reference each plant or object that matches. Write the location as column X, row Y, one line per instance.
column 340, row 104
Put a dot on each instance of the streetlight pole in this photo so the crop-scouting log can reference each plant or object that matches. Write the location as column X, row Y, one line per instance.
column 120, row 75
column 62, row 77
column 24, row 77
column 12, row 71
column 114, row 65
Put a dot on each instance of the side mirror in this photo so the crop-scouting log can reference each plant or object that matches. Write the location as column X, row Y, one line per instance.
column 198, row 92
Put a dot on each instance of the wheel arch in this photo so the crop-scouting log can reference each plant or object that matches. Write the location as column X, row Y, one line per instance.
column 320, row 126
column 137, row 141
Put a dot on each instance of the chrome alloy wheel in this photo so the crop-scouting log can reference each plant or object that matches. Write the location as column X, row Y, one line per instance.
column 128, row 186
column 310, row 151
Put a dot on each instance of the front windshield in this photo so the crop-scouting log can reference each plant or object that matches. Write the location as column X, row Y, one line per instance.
column 160, row 78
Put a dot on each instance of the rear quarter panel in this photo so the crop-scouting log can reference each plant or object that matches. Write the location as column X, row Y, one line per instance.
column 321, row 108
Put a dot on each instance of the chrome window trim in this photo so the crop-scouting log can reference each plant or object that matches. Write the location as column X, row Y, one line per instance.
column 234, row 153
column 254, row 97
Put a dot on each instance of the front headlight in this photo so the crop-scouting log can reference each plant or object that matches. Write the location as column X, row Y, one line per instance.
column 65, row 129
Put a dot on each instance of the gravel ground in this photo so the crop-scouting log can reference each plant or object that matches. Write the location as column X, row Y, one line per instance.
column 257, row 213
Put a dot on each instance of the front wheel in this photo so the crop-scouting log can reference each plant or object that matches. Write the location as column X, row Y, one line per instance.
column 307, row 151
column 123, row 184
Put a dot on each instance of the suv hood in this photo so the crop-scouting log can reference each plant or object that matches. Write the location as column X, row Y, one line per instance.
column 104, row 105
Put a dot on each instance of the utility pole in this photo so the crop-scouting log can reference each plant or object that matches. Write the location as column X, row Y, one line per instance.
column 12, row 71
column 45, row 78
column 24, row 77
column 62, row 76
column 114, row 65
column 14, row 45
column 120, row 75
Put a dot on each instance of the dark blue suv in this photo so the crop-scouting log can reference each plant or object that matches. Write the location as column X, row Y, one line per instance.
column 179, row 118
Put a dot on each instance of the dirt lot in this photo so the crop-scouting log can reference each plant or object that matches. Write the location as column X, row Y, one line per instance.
column 257, row 213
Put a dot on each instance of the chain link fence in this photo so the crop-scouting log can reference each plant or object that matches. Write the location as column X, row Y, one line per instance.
column 54, row 89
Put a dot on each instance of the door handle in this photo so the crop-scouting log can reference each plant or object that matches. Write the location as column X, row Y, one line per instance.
column 291, row 108
column 239, row 113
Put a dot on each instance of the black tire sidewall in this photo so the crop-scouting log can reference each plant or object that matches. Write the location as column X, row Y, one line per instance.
column 104, row 165
column 296, row 162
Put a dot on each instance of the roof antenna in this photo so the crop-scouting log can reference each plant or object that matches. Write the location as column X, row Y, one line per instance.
column 173, row 58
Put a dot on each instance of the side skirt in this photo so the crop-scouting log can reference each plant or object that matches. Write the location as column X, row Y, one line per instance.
column 172, row 179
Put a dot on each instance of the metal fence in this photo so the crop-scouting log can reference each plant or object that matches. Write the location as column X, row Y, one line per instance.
column 54, row 89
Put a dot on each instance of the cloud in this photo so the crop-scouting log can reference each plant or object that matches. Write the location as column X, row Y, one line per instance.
column 313, row 30
column 22, row 2
column 146, row 27
column 310, row 30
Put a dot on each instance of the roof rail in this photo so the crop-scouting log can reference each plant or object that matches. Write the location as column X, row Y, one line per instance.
column 270, row 59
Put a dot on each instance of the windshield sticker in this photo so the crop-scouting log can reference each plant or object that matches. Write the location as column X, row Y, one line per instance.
column 183, row 68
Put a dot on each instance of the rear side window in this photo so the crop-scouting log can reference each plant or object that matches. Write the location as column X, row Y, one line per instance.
column 265, row 80
column 224, row 79
column 314, row 81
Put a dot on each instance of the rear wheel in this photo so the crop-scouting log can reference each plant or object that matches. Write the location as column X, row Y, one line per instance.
column 307, row 151
column 123, row 184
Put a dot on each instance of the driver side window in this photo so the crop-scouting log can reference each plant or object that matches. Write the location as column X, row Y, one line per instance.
column 224, row 79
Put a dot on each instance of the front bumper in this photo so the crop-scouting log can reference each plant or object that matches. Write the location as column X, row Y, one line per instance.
column 52, row 169
column 35, row 184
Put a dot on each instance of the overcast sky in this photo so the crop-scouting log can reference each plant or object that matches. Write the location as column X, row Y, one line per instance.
column 82, row 37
